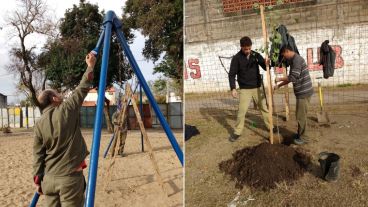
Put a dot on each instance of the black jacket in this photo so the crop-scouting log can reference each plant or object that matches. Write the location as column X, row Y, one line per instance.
column 287, row 39
column 246, row 70
column 328, row 56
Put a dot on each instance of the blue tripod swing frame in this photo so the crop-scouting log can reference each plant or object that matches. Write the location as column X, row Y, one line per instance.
column 111, row 22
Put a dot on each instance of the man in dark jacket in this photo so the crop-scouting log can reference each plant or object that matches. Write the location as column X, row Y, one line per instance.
column 245, row 67
column 303, row 89
column 59, row 149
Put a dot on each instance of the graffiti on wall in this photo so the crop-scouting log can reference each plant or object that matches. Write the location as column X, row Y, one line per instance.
column 193, row 69
column 339, row 62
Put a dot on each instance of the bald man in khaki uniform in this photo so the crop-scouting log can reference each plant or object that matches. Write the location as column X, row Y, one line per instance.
column 59, row 148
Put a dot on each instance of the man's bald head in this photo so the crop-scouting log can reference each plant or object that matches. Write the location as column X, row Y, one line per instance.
column 48, row 97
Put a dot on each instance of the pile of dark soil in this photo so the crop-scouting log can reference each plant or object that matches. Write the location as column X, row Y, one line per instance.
column 264, row 165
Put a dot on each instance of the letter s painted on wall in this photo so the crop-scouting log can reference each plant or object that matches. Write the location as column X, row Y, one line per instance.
column 193, row 64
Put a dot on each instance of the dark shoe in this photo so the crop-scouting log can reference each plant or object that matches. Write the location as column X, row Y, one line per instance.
column 233, row 137
column 298, row 140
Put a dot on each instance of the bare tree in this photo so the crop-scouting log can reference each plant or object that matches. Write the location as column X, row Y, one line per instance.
column 30, row 18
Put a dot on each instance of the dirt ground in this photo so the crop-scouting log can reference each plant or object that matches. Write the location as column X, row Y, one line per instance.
column 264, row 165
column 133, row 181
column 347, row 136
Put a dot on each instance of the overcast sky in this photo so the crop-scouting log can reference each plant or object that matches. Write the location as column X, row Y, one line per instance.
column 58, row 8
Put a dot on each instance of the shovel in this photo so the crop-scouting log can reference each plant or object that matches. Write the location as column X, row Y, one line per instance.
column 322, row 116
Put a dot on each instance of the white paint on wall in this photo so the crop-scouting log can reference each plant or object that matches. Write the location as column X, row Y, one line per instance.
column 213, row 77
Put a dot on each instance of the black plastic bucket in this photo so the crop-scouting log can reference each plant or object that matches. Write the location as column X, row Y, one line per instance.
column 330, row 166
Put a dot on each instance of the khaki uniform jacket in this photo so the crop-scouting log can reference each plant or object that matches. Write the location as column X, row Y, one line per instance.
column 59, row 147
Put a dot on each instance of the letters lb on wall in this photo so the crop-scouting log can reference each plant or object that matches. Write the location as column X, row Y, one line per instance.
column 339, row 62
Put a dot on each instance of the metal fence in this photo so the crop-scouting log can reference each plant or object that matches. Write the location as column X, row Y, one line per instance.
column 22, row 117
column 173, row 113
column 212, row 38
column 18, row 117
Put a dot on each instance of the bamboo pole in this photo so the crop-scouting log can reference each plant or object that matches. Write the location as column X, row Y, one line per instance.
column 270, row 97
column 148, row 145
column 122, row 119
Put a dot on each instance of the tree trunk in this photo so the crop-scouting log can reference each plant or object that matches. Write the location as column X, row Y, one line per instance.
column 107, row 116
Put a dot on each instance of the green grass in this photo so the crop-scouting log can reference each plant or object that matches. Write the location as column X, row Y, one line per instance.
column 349, row 85
column 344, row 85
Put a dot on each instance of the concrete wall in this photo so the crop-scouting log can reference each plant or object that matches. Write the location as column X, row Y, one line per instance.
column 210, row 33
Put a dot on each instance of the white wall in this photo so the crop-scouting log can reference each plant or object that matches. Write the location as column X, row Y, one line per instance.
column 205, row 73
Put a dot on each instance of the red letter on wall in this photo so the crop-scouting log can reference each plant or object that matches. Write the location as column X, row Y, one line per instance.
column 339, row 62
column 185, row 72
column 194, row 65
column 311, row 65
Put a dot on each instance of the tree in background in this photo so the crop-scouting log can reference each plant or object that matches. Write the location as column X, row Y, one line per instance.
column 28, row 19
column 63, row 58
column 158, row 86
column 162, row 86
column 26, row 102
column 161, row 21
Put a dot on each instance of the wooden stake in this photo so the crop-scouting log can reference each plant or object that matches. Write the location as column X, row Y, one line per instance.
column 270, row 98
column 122, row 119
column 287, row 109
column 148, row 144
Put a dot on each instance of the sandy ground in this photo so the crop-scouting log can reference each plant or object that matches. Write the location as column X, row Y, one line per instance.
column 133, row 181
column 347, row 136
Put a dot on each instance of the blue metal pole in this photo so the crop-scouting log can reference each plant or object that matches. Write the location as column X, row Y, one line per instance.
column 95, row 52
column 108, row 146
column 99, row 43
column 34, row 200
column 92, row 174
column 142, row 115
column 149, row 95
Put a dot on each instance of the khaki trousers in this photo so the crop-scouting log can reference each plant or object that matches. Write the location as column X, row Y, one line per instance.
column 245, row 96
column 301, row 113
column 65, row 191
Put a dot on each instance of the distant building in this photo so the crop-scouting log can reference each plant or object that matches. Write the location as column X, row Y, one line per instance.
column 91, row 98
column 3, row 101
column 172, row 97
